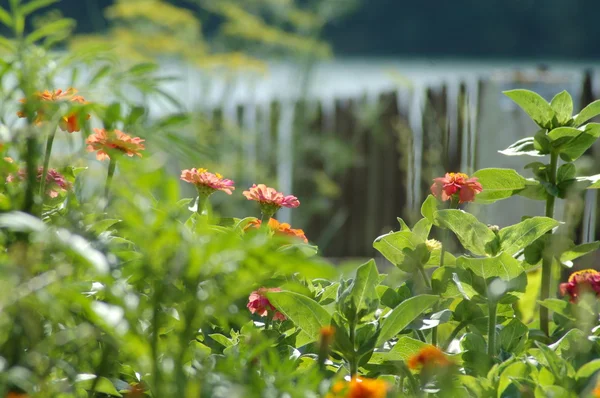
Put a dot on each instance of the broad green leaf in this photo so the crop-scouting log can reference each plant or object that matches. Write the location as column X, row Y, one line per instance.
column 528, row 302
column 404, row 348
column 518, row 236
column 434, row 258
column 524, row 146
column 578, row 251
column 221, row 339
column 304, row 312
column 503, row 266
column 498, row 184
column 392, row 245
column 563, row 133
column 422, row 228
column 474, row 235
column 555, row 363
column 576, row 147
column 103, row 225
column 403, row 315
column 587, row 113
column 561, row 307
column 565, row 172
column 588, row 370
column 452, row 282
column 520, row 370
column 553, row 391
column 5, row 18
column 513, row 336
column 572, row 344
column 103, row 385
column 593, row 180
column 364, row 294
column 562, row 104
column 429, row 207
column 538, row 109
column 403, row 225
column 143, row 68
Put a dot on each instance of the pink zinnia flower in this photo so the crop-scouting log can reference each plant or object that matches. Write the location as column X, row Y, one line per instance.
column 206, row 182
column 269, row 199
column 113, row 142
column 54, row 180
column 580, row 281
column 444, row 188
column 259, row 304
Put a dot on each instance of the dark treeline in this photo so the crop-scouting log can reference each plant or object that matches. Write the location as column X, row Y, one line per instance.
column 472, row 28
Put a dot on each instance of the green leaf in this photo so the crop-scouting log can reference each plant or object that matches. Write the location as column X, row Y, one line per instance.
column 524, row 146
column 521, row 370
column 452, row 282
column 561, row 307
column 100, row 74
column 223, row 340
column 35, row 5
column 564, row 133
column 403, row 315
column 404, row 348
column 429, row 207
column 579, row 251
column 103, row 385
column 5, row 18
column 498, row 184
column 588, row 370
column 403, row 225
column 393, row 245
column 474, row 235
column 534, row 105
column 576, row 147
column 513, row 336
column 51, row 29
column 143, row 68
column 587, row 113
column 364, row 294
column 565, row 172
column 422, row 228
column 503, row 266
column 304, row 312
column 518, row 236
column 562, row 104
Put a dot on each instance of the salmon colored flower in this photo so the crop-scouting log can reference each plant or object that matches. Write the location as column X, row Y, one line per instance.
column 269, row 199
column 13, row 394
column 9, row 160
column 581, row 281
column 444, row 188
column 596, row 391
column 259, row 304
column 55, row 181
column 69, row 122
column 278, row 228
column 428, row 356
column 113, row 142
column 136, row 390
column 207, row 183
column 359, row 388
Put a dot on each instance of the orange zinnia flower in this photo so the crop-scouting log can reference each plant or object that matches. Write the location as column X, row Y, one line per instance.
column 13, row 394
column 54, row 180
column 207, row 183
column 259, row 304
column 113, row 142
column 269, row 199
column 359, row 388
column 580, row 281
column 428, row 356
column 283, row 229
column 444, row 188
column 69, row 122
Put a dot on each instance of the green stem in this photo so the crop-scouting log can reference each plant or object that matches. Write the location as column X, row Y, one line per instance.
column 547, row 259
column 201, row 204
column 111, row 171
column 444, row 243
column 434, row 336
column 31, row 160
column 424, row 275
column 453, row 335
column 493, row 306
column 352, row 361
column 46, row 164
column 420, row 335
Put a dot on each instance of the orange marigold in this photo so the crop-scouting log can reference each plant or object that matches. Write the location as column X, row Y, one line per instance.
column 206, row 182
column 113, row 142
column 69, row 122
column 359, row 388
column 444, row 188
column 428, row 356
column 283, row 229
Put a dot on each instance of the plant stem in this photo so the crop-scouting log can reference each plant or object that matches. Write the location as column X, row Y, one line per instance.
column 453, row 335
column 493, row 306
column 31, row 160
column 547, row 259
column 201, row 204
column 46, row 164
column 353, row 363
column 424, row 275
column 420, row 335
column 444, row 243
column 434, row 336
column 111, row 171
